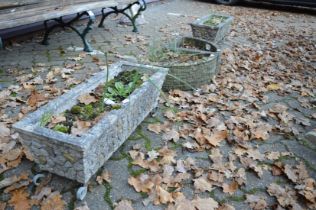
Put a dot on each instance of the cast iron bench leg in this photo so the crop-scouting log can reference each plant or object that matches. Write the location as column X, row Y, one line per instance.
column 1, row 44
column 61, row 23
column 132, row 18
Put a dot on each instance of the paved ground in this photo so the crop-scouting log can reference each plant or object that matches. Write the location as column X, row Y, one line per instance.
column 166, row 20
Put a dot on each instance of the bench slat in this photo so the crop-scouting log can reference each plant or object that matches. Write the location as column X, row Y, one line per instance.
column 47, row 13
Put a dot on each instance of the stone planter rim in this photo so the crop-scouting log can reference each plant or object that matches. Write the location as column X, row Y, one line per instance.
column 200, row 21
column 164, row 65
column 30, row 124
column 178, row 39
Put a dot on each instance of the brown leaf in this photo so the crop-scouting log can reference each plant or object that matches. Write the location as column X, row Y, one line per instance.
column 249, row 163
column 105, row 176
column 216, row 137
column 168, row 155
column 2, row 205
column 87, row 99
column 156, row 128
column 20, row 199
column 261, row 131
column 201, row 184
column 255, row 154
column 141, row 183
column 226, row 207
column 230, row 188
column 80, row 127
column 216, row 176
column 53, row 201
column 171, row 135
column 205, row 203
column 290, row 173
column 124, row 205
column 278, row 108
column 58, row 119
column 163, row 196
column 4, row 130
column 35, row 98
column 285, row 196
column 240, row 176
column 256, row 202
column 169, row 114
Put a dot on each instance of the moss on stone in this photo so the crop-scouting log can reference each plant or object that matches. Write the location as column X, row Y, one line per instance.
column 107, row 195
column 61, row 128
column 76, row 109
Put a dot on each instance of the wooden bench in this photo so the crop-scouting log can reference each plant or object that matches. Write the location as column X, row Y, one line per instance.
column 15, row 13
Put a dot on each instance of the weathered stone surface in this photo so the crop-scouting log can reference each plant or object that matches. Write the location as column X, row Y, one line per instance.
column 78, row 158
column 311, row 136
column 211, row 33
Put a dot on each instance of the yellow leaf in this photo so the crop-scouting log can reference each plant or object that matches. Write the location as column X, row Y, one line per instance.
column 273, row 86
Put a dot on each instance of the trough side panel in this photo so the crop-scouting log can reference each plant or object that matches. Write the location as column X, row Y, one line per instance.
column 126, row 121
column 63, row 160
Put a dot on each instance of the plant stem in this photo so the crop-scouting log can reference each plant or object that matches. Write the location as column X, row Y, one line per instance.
column 107, row 67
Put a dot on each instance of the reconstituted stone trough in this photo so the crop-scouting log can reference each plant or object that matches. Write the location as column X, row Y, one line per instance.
column 78, row 158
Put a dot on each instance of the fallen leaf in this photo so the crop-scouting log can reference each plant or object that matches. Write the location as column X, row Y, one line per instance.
column 256, row 202
column 105, row 176
column 163, row 196
column 87, row 99
column 20, row 199
column 255, row 154
column 226, row 207
column 35, row 98
column 205, row 203
column 58, row 119
column 156, row 128
column 285, row 196
column 230, row 188
column 201, row 184
column 141, row 183
column 124, row 205
column 261, row 131
column 167, row 155
column 53, row 201
column 216, row 137
column 4, row 130
column 171, row 135
column 273, row 86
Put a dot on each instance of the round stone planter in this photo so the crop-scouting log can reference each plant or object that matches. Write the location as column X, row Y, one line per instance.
column 211, row 33
column 194, row 74
column 78, row 158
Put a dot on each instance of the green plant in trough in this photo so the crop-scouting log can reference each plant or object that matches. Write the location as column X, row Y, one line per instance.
column 45, row 119
column 215, row 20
column 61, row 128
column 118, row 91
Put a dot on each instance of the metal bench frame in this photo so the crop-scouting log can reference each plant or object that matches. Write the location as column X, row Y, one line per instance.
column 115, row 10
column 60, row 22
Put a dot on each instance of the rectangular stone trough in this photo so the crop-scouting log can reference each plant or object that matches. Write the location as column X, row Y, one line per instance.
column 211, row 33
column 78, row 158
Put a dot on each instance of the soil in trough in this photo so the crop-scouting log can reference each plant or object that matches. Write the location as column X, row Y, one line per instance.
column 94, row 105
column 215, row 20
